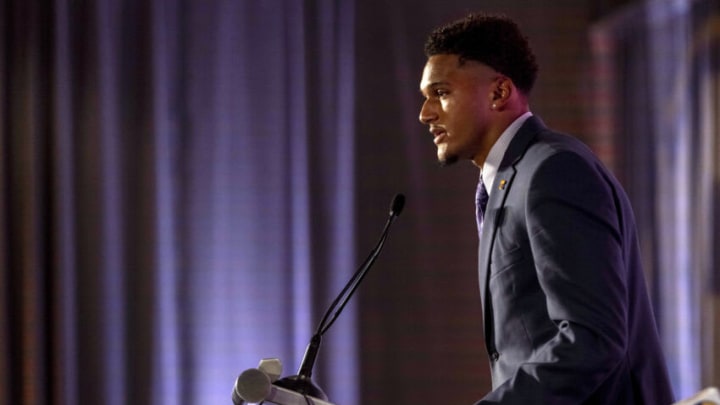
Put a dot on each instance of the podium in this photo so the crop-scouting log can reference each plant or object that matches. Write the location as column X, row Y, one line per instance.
column 708, row 396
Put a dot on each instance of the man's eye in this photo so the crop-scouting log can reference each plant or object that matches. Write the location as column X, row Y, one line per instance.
column 441, row 93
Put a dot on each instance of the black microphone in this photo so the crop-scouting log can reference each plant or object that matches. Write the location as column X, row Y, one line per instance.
column 302, row 382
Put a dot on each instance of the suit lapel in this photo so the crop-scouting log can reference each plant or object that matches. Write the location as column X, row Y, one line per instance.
column 493, row 218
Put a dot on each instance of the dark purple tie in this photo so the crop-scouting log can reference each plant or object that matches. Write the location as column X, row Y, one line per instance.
column 481, row 200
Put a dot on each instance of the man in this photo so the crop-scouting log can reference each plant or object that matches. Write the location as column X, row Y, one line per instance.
column 567, row 318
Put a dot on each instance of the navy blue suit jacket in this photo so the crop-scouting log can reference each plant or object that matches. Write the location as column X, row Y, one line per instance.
column 567, row 317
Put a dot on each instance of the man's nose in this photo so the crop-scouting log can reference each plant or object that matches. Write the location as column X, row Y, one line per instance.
column 427, row 113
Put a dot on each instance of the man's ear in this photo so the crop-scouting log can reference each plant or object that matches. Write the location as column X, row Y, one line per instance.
column 502, row 89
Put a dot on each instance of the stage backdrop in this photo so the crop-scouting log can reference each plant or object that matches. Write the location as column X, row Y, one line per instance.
column 658, row 103
column 177, row 196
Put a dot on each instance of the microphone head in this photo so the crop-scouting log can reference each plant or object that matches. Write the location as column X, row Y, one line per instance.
column 397, row 205
column 251, row 386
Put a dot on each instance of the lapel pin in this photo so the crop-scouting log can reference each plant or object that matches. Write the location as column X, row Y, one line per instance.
column 502, row 184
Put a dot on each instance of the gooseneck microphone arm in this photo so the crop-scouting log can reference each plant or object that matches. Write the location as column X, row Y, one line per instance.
column 302, row 382
column 342, row 299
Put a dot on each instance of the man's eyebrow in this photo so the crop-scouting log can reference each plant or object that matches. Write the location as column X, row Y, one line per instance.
column 433, row 85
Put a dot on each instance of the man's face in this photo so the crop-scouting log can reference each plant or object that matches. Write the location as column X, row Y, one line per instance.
column 457, row 107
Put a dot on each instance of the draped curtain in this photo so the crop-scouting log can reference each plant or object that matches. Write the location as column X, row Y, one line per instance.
column 175, row 178
column 661, row 105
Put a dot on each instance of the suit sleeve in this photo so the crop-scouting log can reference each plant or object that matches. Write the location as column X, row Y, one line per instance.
column 574, row 224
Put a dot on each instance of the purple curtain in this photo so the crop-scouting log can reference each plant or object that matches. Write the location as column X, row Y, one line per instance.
column 662, row 101
column 176, row 178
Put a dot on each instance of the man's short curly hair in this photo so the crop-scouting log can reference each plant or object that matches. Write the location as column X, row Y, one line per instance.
column 492, row 39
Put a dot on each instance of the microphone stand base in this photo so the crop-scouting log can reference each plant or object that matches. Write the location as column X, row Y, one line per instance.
column 302, row 385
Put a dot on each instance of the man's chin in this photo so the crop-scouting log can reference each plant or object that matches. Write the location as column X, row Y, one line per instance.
column 447, row 160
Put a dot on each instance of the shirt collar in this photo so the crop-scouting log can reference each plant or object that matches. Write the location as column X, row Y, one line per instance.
column 494, row 158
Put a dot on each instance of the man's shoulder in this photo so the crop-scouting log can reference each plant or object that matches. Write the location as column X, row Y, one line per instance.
column 548, row 142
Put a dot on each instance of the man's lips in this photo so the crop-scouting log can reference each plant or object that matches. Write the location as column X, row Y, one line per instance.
column 438, row 135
